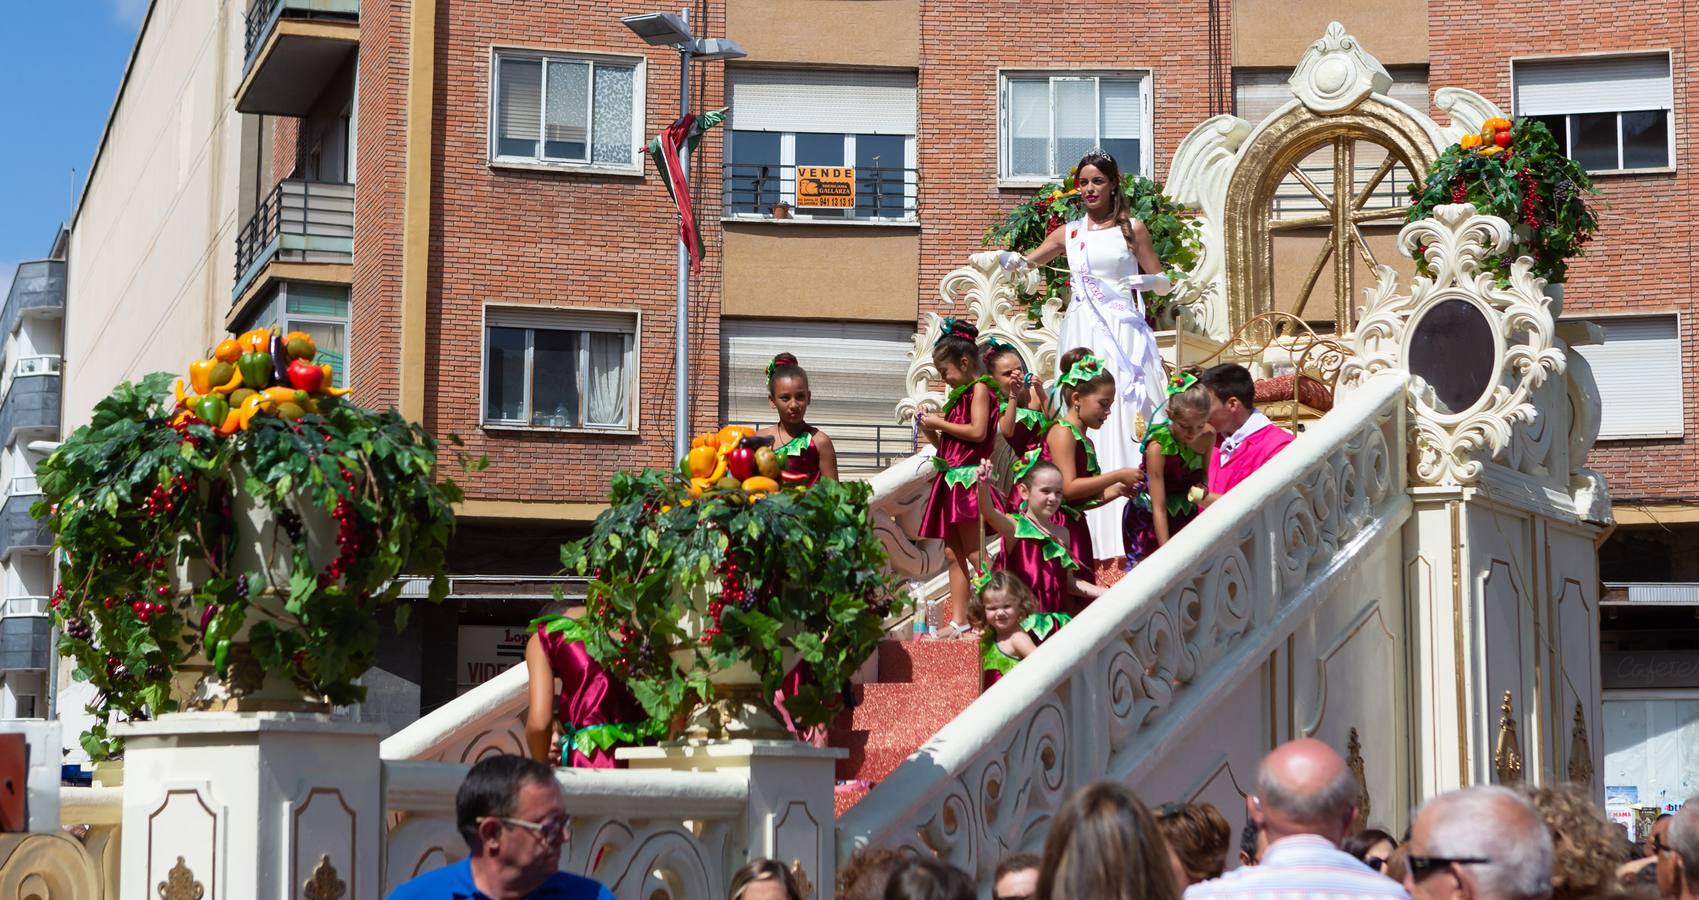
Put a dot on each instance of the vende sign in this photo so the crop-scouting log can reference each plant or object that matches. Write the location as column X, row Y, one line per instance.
column 825, row 187
column 486, row 651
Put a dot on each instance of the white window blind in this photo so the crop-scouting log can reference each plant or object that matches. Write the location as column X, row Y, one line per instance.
column 519, row 99
column 1122, row 111
column 831, row 102
column 855, row 369
column 555, row 317
column 1638, row 371
column 1592, row 85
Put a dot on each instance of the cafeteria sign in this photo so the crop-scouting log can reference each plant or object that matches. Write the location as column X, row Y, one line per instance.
column 825, row 187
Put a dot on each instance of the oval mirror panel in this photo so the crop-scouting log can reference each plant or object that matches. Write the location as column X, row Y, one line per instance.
column 1451, row 348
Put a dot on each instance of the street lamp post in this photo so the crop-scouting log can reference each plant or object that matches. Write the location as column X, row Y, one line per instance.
column 668, row 30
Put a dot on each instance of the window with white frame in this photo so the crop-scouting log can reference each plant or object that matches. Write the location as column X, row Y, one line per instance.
column 570, row 110
column 320, row 311
column 1638, row 372
column 558, row 368
column 1048, row 121
column 785, row 118
column 1609, row 113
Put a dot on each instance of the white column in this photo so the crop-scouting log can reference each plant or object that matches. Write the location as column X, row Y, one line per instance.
column 252, row 805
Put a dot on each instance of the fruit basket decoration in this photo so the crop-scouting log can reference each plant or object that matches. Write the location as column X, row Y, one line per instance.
column 718, row 587
column 229, row 538
column 1518, row 172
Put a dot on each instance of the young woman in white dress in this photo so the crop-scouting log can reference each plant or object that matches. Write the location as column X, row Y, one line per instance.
column 1107, row 250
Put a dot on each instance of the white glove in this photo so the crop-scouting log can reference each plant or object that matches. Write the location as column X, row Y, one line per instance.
column 1154, row 284
column 1010, row 261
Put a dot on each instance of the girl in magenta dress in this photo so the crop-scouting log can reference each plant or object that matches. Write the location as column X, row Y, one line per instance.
column 964, row 434
column 805, row 452
column 1088, row 393
column 594, row 714
column 1021, row 421
column 1010, row 629
column 1174, row 465
column 1035, row 545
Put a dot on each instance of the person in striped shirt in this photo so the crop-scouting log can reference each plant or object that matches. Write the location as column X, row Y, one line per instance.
column 1305, row 803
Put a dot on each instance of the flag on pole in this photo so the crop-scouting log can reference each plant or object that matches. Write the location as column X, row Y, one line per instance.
column 664, row 149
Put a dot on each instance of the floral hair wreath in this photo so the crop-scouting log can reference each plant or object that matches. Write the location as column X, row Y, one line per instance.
column 1180, row 382
column 1084, row 369
column 782, row 359
column 995, row 346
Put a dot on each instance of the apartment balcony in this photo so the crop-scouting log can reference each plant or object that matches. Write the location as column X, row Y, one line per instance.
column 18, row 529
column 302, row 231
column 29, row 396
column 25, row 634
column 293, row 49
column 38, row 289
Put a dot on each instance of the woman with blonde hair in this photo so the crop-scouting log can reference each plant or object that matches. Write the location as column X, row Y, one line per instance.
column 1104, row 844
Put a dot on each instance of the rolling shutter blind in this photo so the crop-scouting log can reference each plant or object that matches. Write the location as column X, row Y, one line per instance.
column 855, row 370
column 1122, row 110
column 1610, row 84
column 553, row 317
column 825, row 102
column 1638, row 371
column 519, row 102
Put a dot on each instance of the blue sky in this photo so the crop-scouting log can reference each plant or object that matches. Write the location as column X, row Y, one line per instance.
column 60, row 64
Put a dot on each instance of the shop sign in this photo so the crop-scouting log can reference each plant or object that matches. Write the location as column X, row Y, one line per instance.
column 486, row 651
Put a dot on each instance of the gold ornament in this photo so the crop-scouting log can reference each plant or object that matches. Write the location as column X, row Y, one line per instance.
column 1354, row 759
column 1507, row 757
column 324, row 885
column 1580, row 751
column 180, row 884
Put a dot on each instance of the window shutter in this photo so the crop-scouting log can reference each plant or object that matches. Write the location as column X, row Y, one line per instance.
column 855, row 370
column 1122, row 112
column 827, row 102
column 556, row 317
column 1604, row 84
column 1638, row 371
column 519, row 102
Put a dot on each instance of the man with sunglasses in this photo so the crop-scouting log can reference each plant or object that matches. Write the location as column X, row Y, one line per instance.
column 1677, row 849
column 1304, row 805
column 1479, row 843
column 509, row 810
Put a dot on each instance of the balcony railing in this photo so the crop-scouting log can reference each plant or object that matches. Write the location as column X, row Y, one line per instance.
column 23, row 606
column 865, row 449
column 1650, row 594
column 263, row 15
column 880, row 193
column 299, row 221
column 23, row 485
column 28, row 366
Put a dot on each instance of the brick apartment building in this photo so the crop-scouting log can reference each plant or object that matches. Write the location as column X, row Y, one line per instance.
column 448, row 193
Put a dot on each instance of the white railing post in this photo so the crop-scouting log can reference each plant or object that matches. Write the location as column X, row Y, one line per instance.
column 789, row 815
column 251, row 805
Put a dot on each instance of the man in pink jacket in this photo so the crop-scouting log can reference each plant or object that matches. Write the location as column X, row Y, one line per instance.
column 1244, row 438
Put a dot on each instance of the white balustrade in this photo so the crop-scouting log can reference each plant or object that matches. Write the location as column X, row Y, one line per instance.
column 644, row 834
column 1110, row 691
column 24, row 485
column 24, row 606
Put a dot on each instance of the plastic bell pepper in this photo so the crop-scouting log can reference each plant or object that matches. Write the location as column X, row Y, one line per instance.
column 304, row 376
column 213, row 409
column 256, row 369
column 330, row 382
column 200, row 375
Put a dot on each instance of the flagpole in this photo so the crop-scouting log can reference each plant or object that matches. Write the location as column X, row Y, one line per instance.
column 681, row 360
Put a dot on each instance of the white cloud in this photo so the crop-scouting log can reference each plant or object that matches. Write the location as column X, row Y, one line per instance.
column 129, row 12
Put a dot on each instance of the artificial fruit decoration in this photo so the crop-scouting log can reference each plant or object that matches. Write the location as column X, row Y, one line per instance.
column 213, row 409
column 740, row 462
column 227, row 351
column 700, row 462
column 279, row 360
column 256, row 369
column 200, row 375
column 305, row 376
column 299, row 345
column 767, row 462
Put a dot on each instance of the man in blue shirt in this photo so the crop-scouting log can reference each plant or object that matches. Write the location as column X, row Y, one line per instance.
column 509, row 810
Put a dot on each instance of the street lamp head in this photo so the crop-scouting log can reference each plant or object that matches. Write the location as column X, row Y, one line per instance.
column 717, row 48
column 660, row 28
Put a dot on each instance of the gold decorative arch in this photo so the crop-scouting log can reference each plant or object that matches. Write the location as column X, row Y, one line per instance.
column 1272, row 154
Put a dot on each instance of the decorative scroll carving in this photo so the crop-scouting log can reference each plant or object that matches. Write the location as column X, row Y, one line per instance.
column 1449, row 444
column 1354, row 759
column 1507, row 754
column 324, row 885
column 1147, row 654
column 180, row 884
column 1580, row 750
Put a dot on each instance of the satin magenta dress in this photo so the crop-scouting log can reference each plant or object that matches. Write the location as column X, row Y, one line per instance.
column 800, row 459
column 1182, row 470
column 591, row 704
column 1073, row 515
column 1042, row 562
column 994, row 663
column 1028, row 445
column 955, row 495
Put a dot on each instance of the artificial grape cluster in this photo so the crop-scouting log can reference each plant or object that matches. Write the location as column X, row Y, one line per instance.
column 1530, row 198
column 1459, row 194
column 162, row 500
column 347, row 540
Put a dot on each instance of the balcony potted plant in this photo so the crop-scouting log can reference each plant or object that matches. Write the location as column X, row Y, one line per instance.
column 706, row 592
column 1173, row 234
column 230, row 545
column 1515, row 171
